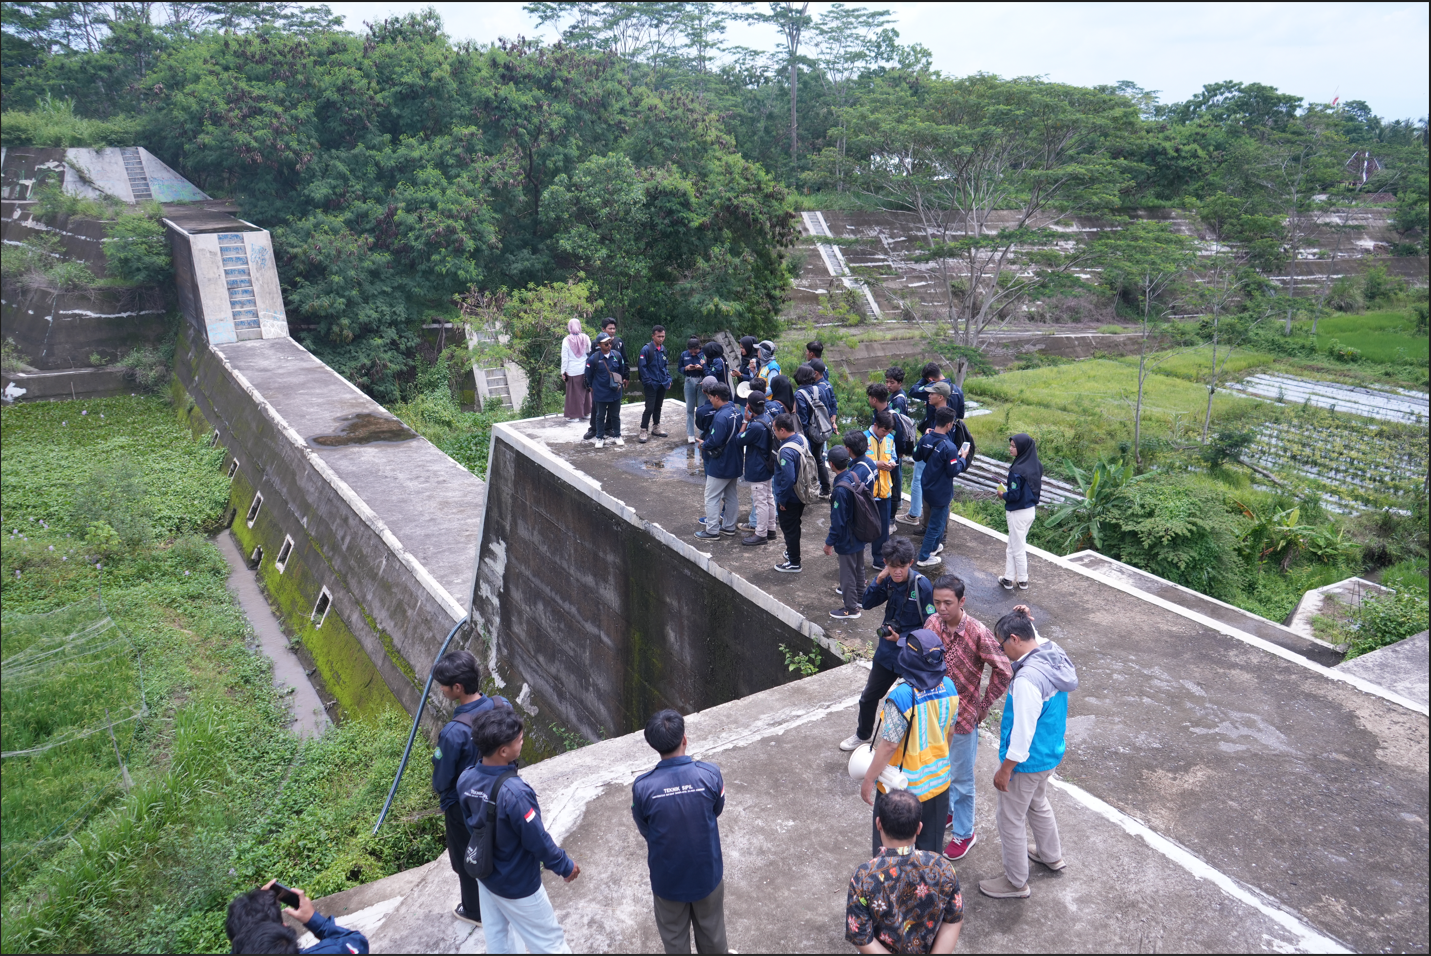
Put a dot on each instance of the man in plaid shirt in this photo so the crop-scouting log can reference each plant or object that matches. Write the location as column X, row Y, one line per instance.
column 968, row 646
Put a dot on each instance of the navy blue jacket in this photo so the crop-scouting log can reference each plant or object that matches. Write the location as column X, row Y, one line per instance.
column 675, row 807
column 599, row 368
column 653, row 366
column 803, row 411
column 906, row 607
column 693, row 358
column 720, row 451
column 455, row 751
column 755, row 443
column 941, row 465
column 827, row 395
column 333, row 938
column 842, row 515
column 1020, row 494
column 787, row 473
column 715, row 367
column 522, row 845
column 956, row 401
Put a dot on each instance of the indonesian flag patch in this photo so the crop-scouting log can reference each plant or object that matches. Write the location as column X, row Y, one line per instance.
column 531, row 815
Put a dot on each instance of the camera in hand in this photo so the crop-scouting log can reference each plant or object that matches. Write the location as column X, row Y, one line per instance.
column 885, row 632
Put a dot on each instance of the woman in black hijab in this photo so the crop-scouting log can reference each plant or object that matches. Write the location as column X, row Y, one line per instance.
column 1020, row 501
column 783, row 392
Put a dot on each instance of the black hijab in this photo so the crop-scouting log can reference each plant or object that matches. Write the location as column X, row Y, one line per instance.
column 1026, row 465
column 783, row 392
column 747, row 348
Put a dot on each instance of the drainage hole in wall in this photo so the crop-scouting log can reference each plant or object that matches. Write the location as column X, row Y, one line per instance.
column 253, row 509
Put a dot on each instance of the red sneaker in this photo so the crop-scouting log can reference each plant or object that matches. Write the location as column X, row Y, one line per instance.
column 958, row 849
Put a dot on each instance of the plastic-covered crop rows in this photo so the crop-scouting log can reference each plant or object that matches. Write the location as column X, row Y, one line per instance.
column 1346, row 457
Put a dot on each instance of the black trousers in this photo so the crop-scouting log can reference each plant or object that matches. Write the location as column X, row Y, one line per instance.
column 879, row 682
column 896, row 487
column 457, row 837
column 934, row 817
column 607, row 419
column 817, row 451
column 655, row 397
column 789, row 516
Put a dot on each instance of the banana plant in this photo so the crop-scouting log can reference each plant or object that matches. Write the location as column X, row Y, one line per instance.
column 1100, row 487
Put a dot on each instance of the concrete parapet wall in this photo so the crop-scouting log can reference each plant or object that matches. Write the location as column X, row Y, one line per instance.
column 596, row 618
column 388, row 615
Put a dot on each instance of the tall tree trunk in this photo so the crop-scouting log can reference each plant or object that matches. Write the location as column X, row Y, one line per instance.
column 794, row 90
column 1142, row 367
column 1211, row 382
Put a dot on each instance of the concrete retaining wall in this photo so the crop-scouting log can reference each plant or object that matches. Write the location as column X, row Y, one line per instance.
column 385, row 623
column 596, row 619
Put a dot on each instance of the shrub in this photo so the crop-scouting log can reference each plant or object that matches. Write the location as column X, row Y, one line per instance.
column 1179, row 529
column 1111, row 330
column 138, row 251
column 1345, row 295
column 1344, row 353
column 113, row 498
column 1381, row 288
column 1386, row 619
column 54, row 123
column 148, row 367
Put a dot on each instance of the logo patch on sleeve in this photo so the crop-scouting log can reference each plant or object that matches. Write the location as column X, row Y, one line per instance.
column 531, row 815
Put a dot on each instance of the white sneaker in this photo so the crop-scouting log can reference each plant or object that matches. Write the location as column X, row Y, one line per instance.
column 618, row 442
column 937, row 549
column 690, row 439
column 929, row 562
column 600, row 443
column 852, row 742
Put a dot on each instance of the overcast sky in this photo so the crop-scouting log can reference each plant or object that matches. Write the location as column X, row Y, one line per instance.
column 1375, row 52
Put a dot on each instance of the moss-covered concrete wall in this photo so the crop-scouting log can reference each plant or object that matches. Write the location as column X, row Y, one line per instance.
column 360, row 664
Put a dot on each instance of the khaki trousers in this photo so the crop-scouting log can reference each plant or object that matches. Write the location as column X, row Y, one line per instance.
column 1026, row 802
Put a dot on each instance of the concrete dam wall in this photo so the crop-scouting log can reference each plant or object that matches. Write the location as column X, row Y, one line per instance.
column 594, row 615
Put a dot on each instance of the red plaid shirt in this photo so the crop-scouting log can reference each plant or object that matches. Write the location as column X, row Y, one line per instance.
column 967, row 648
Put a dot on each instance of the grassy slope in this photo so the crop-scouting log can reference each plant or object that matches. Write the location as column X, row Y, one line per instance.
column 1381, row 336
column 223, row 796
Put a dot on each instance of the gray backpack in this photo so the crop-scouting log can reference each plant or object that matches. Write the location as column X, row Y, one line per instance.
column 822, row 427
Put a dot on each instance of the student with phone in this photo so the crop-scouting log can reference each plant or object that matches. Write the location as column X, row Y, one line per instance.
column 1020, row 495
column 255, row 924
column 942, row 464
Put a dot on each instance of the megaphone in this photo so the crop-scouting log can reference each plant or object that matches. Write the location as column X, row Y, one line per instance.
column 892, row 777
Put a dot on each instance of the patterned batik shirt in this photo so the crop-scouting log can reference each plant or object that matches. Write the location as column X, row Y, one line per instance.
column 901, row 898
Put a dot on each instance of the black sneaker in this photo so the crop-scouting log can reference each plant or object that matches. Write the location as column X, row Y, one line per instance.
column 729, row 534
column 788, row 568
column 590, row 434
column 461, row 914
column 840, row 614
column 770, row 535
column 707, row 535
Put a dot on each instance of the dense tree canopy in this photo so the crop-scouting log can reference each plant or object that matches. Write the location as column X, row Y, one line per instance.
column 398, row 169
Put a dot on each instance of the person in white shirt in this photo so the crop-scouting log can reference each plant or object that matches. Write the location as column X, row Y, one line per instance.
column 574, row 351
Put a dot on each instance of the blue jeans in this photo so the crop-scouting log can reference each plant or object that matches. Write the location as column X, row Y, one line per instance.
column 934, row 530
column 963, row 748
column 693, row 399
column 877, row 545
column 916, row 492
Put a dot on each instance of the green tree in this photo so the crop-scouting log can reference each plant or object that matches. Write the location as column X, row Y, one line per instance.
column 1142, row 261
column 533, row 322
column 987, row 166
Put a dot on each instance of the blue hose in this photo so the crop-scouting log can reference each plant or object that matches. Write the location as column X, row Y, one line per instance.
column 412, row 735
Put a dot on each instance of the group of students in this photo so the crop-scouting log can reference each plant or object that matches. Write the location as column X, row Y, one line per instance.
column 497, row 844
column 596, row 378
column 782, row 442
column 918, row 773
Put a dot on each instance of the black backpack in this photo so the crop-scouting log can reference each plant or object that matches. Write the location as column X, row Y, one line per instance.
column 482, row 845
column 866, row 516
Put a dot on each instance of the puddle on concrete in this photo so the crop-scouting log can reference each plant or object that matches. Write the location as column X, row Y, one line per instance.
column 365, row 428
column 682, row 463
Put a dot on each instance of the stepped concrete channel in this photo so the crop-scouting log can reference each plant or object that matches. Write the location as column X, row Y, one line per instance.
column 1224, row 789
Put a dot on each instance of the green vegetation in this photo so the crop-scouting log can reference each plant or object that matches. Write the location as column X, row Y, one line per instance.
column 53, row 122
column 219, row 796
column 1388, row 337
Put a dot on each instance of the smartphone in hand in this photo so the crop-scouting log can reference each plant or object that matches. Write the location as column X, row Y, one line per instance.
column 964, row 450
column 286, row 896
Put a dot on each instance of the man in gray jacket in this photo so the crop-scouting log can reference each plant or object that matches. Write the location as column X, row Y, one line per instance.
column 1031, row 745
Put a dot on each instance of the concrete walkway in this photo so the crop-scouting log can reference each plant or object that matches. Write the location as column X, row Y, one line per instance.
column 1401, row 667
column 309, row 717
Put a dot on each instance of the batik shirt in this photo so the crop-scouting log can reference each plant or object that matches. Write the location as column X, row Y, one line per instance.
column 901, row 898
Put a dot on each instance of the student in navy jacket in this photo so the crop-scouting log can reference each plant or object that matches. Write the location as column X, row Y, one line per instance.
column 655, row 379
column 675, row 807
column 942, row 465
column 692, row 371
column 755, row 441
column 841, row 539
column 458, row 678
column 606, row 374
column 908, row 599
column 513, row 898
column 254, row 924
column 722, row 456
column 789, row 509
